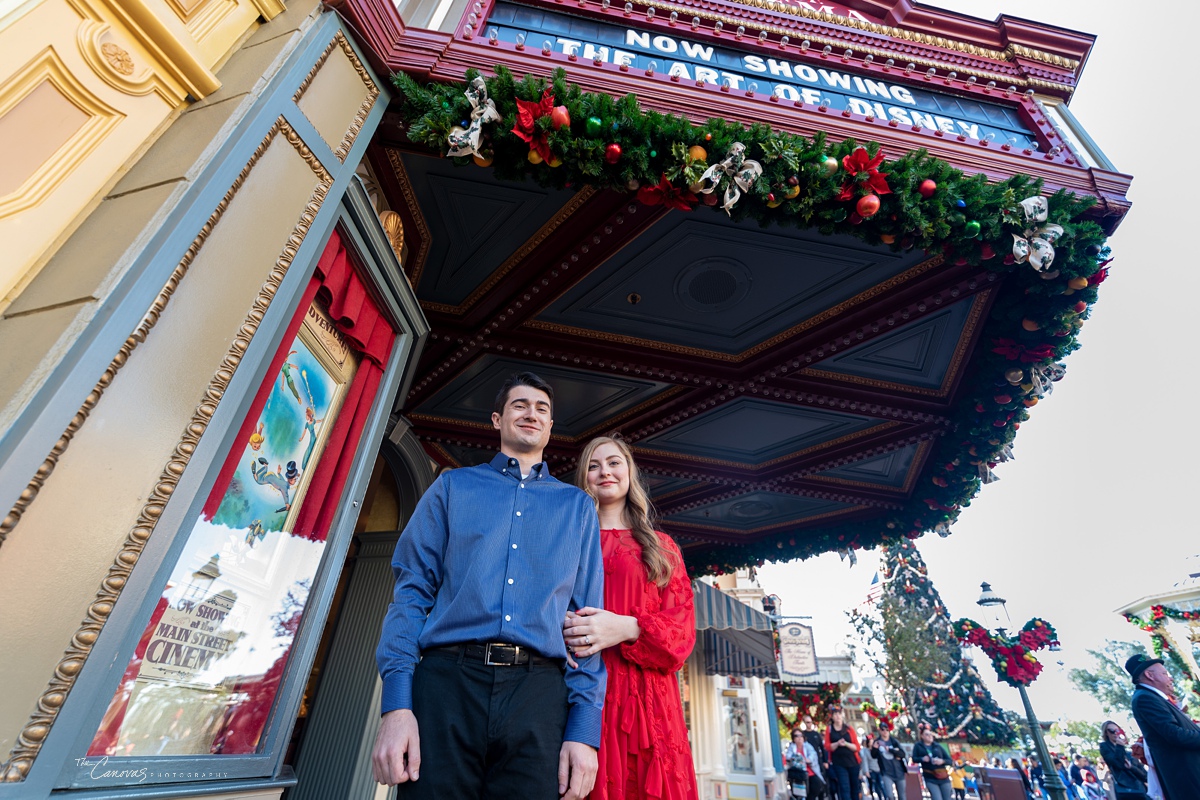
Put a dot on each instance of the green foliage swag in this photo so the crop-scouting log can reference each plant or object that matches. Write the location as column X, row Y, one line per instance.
column 1033, row 321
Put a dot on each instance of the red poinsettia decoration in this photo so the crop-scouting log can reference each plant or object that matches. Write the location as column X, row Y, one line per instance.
column 1098, row 277
column 528, row 113
column 1014, row 351
column 666, row 193
column 864, row 174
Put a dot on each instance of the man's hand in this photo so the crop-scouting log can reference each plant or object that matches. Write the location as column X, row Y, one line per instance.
column 397, row 754
column 576, row 770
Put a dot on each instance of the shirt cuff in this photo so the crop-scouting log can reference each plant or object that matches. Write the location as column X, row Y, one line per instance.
column 397, row 692
column 583, row 725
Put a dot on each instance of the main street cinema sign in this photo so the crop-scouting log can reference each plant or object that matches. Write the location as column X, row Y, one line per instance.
column 692, row 61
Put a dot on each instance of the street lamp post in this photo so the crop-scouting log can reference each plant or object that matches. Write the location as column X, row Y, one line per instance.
column 992, row 603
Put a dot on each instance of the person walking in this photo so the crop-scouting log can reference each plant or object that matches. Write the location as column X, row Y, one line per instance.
column 803, row 765
column 873, row 774
column 646, row 630
column 842, row 743
column 1172, row 739
column 935, row 765
column 1026, row 783
column 475, row 700
column 1128, row 775
column 820, row 782
column 893, row 765
column 958, row 781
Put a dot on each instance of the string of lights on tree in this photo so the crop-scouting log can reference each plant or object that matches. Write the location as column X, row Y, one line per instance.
column 1163, row 644
column 1045, row 258
column 957, row 705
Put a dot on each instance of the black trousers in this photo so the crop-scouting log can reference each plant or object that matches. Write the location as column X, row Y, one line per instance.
column 487, row 732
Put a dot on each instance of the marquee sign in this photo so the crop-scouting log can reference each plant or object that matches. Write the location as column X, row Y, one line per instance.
column 746, row 71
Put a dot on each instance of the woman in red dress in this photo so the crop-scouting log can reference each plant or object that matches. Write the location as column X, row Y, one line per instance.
column 646, row 630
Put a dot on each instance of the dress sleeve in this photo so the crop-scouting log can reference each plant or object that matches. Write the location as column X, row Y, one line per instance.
column 669, row 634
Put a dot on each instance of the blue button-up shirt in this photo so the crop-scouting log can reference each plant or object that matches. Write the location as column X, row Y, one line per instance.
column 489, row 556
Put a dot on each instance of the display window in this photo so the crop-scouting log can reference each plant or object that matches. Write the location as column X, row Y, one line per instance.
column 209, row 664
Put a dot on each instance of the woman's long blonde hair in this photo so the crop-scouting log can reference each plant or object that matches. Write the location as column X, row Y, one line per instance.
column 639, row 511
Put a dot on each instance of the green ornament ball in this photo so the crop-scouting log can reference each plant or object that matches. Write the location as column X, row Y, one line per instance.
column 653, row 153
column 594, row 125
column 445, row 105
column 972, row 229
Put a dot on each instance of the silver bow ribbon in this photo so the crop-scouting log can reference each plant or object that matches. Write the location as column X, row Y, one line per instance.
column 986, row 475
column 942, row 529
column 1005, row 454
column 1044, row 377
column 483, row 109
column 1037, row 245
column 845, row 553
column 741, row 171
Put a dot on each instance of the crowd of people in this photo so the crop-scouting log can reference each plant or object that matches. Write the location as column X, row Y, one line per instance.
column 1164, row 764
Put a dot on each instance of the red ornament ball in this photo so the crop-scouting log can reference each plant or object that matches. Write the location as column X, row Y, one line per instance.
column 612, row 153
column 771, row 197
column 927, row 188
column 868, row 206
column 560, row 118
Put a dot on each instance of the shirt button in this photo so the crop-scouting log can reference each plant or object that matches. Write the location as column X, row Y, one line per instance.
column 510, row 580
column 507, row 618
column 518, row 513
column 522, row 486
column 514, row 547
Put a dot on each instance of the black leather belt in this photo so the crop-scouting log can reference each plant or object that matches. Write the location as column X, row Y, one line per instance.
column 493, row 654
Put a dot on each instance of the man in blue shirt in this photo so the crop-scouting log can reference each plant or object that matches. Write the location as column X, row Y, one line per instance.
column 475, row 701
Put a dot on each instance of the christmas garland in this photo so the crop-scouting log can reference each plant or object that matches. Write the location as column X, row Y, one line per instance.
column 1013, row 660
column 815, row 704
column 1051, row 259
column 884, row 717
column 1161, row 642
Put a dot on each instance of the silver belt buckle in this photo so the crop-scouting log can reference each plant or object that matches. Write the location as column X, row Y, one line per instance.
column 487, row 656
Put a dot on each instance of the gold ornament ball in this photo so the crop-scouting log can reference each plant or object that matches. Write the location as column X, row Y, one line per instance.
column 457, row 130
column 1030, row 325
column 831, row 165
column 697, row 153
column 1078, row 283
column 554, row 161
column 482, row 161
column 793, row 191
column 887, row 238
column 534, row 157
column 695, row 188
column 1014, row 375
column 774, row 203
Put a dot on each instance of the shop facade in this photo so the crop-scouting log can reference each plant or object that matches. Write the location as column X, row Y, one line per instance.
column 245, row 317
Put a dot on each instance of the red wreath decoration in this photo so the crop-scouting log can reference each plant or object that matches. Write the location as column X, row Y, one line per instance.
column 884, row 718
column 668, row 194
column 864, row 174
column 528, row 113
column 1013, row 660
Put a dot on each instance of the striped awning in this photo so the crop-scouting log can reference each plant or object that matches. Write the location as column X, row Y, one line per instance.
column 738, row 640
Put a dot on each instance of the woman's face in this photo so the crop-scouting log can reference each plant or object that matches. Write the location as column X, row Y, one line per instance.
column 927, row 736
column 1115, row 734
column 608, row 474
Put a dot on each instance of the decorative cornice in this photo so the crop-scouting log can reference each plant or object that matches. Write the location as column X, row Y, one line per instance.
column 33, row 735
column 416, row 264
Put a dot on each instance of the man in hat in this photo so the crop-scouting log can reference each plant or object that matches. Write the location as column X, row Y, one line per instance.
column 1172, row 739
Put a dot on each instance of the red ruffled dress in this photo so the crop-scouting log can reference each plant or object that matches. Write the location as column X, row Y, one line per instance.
column 644, row 750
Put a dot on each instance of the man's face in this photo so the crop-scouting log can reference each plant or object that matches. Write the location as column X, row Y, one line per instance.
column 1156, row 675
column 525, row 422
column 884, row 734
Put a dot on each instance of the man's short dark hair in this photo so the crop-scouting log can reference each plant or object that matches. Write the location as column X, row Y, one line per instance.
column 521, row 379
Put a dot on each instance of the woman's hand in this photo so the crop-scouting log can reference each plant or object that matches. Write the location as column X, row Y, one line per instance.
column 590, row 630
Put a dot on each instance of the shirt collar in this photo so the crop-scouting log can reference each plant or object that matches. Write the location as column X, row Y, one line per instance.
column 506, row 465
column 1159, row 692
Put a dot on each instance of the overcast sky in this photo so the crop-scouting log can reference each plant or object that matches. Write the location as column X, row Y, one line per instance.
column 1095, row 511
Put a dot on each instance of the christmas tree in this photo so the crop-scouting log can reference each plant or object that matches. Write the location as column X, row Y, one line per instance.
column 910, row 642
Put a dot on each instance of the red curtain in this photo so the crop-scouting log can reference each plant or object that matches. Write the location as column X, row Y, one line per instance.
column 358, row 318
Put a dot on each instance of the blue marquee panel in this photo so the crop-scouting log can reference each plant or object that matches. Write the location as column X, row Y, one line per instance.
column 918, row 354
column 582, row 399
column 751, row 431
column 475, row 222
column 722, row 286
column 756, row 510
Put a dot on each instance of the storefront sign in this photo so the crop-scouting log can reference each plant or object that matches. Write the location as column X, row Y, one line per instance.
column 813, row 84
column 797, row 652
column 189, row 637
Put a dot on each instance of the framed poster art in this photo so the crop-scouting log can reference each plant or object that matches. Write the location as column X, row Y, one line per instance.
column 207, row 667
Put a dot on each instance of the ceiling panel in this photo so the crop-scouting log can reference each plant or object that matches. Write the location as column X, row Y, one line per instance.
column 757, row 510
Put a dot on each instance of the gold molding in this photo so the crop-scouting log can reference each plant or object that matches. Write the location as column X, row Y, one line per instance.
column 827, row 314
column 417, row 262
column 32, row 736
column 912, row 36
column 96, row 41
column 960, row 351
column 393, row 226
column 175, row 55
column 48, row 67
column 339, row 40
